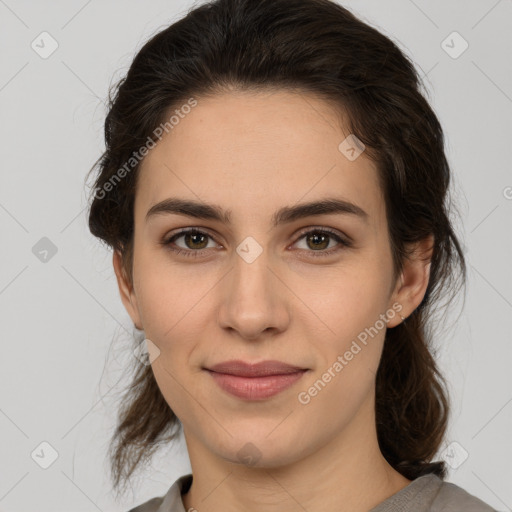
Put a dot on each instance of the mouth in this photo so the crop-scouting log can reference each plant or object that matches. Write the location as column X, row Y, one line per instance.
column 262, row 369
column 255, row 381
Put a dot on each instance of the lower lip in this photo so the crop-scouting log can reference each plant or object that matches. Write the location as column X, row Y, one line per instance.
column 255, row 388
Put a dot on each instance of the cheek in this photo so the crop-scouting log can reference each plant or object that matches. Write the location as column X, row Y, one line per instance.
column 351, row 335
column 348, row 358
column 351, row 299
column 168, row 295
column 176, row 310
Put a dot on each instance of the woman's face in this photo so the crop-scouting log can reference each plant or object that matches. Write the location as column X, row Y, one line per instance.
column 254, row 290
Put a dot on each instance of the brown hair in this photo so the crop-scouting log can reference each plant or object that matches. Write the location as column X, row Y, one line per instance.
column 317, row 47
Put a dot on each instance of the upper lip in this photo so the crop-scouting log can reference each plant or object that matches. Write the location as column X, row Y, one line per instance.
column 264, row 368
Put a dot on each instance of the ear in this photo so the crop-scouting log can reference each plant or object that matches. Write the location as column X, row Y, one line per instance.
column 413, row 281
column 126, row 290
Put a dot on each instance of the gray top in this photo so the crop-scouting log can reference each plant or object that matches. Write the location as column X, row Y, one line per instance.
column 428, row 493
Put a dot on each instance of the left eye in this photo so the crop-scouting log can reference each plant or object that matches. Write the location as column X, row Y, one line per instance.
column 195, row 241
column 320, row 239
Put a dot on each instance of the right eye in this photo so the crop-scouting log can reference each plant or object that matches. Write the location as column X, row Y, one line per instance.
column 191, row 236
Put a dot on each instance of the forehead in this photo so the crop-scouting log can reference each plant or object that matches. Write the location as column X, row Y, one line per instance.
column 257, row 151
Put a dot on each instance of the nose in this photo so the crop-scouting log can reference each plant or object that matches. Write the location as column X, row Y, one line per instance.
column 253, row 299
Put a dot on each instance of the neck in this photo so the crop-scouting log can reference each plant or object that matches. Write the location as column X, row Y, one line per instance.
column 346, row 473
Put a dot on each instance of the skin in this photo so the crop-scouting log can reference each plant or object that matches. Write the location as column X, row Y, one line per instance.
column 254, row 153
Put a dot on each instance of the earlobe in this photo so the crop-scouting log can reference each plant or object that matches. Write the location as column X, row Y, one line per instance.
column 126, row 290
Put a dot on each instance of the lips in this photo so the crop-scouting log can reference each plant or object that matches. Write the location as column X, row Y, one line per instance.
column 259, row 381
column 263, row 369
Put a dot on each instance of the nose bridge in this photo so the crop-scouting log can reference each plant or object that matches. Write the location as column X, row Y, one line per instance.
column 251, row 274
column 252, row 301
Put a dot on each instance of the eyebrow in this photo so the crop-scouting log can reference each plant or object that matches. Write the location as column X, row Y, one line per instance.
column 284, row 215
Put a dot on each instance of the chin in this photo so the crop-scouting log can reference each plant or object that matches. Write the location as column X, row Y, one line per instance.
column 258, row 451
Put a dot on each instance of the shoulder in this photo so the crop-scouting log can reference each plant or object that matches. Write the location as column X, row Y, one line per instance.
column 151, row 505
column 452, row 498
column 171, row 501
column 429, row 493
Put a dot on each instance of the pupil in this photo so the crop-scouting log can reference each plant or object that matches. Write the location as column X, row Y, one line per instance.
column 193, row 235
column 316, row 237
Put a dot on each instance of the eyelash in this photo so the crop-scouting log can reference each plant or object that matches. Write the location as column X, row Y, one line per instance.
column 344, row 243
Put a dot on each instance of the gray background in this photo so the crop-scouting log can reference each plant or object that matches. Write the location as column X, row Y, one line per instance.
column 65, row 334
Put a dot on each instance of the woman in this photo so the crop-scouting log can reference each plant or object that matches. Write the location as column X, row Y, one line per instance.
column 274, row 190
